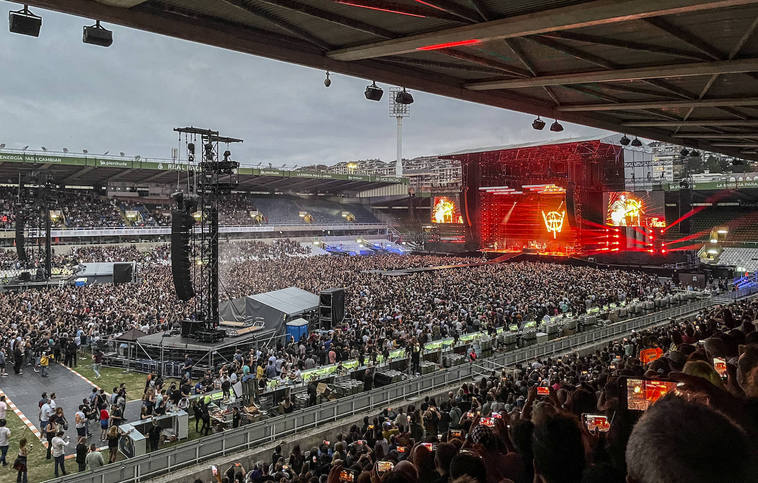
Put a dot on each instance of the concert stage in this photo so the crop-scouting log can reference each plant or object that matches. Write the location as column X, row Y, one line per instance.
column 570, row 198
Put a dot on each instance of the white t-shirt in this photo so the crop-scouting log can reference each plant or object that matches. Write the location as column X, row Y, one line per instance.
column 5, row 434
column 3, row 409
column 45, row 412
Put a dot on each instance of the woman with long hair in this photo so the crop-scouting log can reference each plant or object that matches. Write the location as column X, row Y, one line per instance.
column 20, row 463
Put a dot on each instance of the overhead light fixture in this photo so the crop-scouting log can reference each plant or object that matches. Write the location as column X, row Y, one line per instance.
column 624, row 140
column 538, row 124
column 97, row 35
column 227, row 155
column 556, row 126
column 636, row 142
column 85, row 151
column 694, row 153
column 327, row 81
column 44, row 148
column 65, row 150
column 404, row 97
column 24, row 22
column 374, row 92
column 684, row 152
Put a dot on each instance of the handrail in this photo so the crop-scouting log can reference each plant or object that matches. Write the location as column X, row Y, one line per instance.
column 266, row 431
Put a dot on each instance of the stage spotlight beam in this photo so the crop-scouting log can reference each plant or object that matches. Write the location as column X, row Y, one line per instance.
column 97, row 35
column 24, row 22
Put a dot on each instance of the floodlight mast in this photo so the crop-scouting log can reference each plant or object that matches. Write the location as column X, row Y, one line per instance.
column 398, row 111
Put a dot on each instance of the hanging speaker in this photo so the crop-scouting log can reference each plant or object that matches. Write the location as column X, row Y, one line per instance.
column 20, row 226
column 181, row 226
column 570, row 208
column 685, row 206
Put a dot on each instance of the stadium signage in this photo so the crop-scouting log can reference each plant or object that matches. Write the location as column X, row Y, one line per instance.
column 113, row 163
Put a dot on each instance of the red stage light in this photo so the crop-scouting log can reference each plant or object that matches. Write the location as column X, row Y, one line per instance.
column 447, row 45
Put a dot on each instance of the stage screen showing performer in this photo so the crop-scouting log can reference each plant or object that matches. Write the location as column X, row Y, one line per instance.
column 445, row 210
column 642, row 208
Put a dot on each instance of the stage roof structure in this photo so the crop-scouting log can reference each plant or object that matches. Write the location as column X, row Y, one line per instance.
column 681, row 71
column 275, row 308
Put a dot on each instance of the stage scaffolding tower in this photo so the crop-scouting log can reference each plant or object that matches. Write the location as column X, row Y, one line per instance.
column 214, row 175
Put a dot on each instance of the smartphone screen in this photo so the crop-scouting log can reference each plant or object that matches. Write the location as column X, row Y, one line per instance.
column 641, row 393
column 543, row 391
column 347, row 476
column 428, row 446
column 455, row 433
column 596, row 421
column 214, row 470
column 384, row 466
column 402, row 449
column 489, row 422
column 719, row 363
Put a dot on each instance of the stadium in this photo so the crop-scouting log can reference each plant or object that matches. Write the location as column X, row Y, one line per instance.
column 575, row 309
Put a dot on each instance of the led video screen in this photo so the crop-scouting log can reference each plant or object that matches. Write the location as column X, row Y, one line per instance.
column 639, row 208
column 445, row 210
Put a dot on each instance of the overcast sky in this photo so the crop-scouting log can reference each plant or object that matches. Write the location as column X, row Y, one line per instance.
column 56, row 91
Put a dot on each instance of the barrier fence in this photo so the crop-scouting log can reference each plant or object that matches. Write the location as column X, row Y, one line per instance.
column 261, row 432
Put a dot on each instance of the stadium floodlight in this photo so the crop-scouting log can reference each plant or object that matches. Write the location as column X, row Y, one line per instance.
column 44, row 148
column 556, row 126
column 122, row 154
column 97, row 35
column 636, row 143
column 624, row 141
column 404, row 97
column 327, row 81
column 374, row 92
column 24, row 22
column 684, row 152
column 85, row 151
column 65, row 150
column 538, row 124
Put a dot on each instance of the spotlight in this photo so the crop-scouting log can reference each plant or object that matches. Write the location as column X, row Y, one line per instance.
column 556, row 126
column 24, row 22
column 404, row 97
column 327, row 81
column 97, row 35
column 636, row 143
column 538, row 124
column 684, row 152
column 65, row 150
column 624, row 141
column 374, row 92
column 227, row 155
column 694, row 153
column 85, row 151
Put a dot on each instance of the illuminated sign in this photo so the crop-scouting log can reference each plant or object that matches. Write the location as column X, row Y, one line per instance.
column 554, row 222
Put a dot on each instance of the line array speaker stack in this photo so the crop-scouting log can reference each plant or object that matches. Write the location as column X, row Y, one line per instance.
column 685, row 205
column 20, row 242
column 123, row 273
column 331, row 309
column 181, row 226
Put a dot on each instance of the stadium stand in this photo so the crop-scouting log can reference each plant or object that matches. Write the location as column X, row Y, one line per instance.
column 744, row 258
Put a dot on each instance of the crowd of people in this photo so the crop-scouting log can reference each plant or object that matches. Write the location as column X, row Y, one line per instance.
column 564, row 420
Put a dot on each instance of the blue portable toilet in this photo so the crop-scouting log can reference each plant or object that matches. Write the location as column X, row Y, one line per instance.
column 297, row 328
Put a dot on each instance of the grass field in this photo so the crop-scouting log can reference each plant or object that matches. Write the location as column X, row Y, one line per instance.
column 111, row 377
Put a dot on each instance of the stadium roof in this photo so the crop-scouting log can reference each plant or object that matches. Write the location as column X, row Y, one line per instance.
column 90, row 170
column 681, row 71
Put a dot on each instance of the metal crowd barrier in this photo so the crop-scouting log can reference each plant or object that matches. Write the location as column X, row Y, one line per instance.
column 243, row 438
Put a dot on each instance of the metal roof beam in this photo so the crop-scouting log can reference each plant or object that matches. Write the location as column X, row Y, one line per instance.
column 693, row 41
column 705, row 122
column 453, row 9
column 621, row 75
column 626, row 44
column 631, row 106
column 718, row 136
column 586, row 14
column 332, row 17
column 524, row 59
column 458, row 54
column 735, row 145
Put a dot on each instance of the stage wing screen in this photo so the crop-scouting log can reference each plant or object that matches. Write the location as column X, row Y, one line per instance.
column 639, row 208
column 445, row 210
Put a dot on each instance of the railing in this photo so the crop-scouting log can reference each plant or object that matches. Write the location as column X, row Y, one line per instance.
column 166, row 230
column 273, row 429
